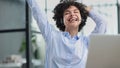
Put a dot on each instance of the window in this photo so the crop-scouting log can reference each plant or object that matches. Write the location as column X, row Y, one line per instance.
column 108, row 9
column 12, row 32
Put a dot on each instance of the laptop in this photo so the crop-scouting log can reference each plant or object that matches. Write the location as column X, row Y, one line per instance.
column 104, row 51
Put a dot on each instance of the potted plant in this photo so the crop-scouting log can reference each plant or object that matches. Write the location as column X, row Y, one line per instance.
column 35, row 47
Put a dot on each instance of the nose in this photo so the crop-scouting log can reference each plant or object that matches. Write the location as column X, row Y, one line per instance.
column 72, row 13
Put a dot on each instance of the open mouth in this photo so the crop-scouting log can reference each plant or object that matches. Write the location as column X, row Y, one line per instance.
column 72, row 20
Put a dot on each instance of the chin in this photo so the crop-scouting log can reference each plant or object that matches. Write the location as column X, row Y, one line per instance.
column 74, row 26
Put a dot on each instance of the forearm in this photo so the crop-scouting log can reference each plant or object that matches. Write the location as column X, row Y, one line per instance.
column 100, row 22
column 40, row 17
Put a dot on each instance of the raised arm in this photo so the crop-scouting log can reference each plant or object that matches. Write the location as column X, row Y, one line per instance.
column 100, row 27
column 40, row 18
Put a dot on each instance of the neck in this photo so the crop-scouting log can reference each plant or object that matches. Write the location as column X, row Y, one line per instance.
column 72, row 32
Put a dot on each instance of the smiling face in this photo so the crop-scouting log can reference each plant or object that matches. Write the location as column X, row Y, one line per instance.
column 72, row 18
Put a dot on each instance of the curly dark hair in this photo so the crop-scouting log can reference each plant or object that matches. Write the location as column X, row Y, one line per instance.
column 61, row 7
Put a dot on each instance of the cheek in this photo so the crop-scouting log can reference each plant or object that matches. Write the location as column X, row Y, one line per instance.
column 65, row 20
column 80, row 17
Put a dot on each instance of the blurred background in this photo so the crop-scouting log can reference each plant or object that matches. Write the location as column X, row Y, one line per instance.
column 20, row 36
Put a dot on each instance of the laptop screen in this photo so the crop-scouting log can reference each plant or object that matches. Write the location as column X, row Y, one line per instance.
column 104, row 51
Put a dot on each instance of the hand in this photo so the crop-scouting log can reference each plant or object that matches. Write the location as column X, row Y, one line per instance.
column 88, row 8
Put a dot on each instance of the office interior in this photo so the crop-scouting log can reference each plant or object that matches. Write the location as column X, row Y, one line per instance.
column 21, row 42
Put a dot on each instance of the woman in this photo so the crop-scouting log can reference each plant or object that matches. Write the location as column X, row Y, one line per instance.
column 66, row 48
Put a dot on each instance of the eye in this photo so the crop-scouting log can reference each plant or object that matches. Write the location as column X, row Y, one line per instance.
column 66, row 13
column 76, row 11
